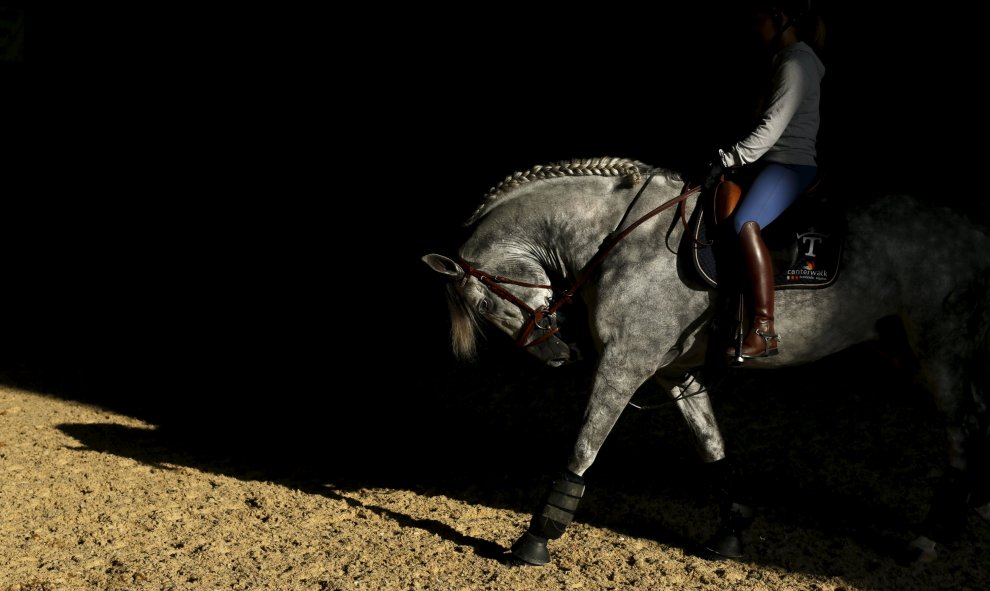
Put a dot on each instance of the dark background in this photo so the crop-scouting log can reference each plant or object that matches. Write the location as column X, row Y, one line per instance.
column 205, row 210
column 213, row 221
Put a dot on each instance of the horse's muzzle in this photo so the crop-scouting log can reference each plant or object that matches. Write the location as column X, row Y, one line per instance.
column 552, row 351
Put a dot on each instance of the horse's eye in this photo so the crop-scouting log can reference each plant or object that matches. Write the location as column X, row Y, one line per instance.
column 484, row 305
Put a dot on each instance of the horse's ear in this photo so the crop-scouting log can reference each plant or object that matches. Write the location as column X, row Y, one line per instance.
column 442, row 264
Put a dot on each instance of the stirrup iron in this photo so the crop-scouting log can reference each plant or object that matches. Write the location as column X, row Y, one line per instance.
column 767, row 351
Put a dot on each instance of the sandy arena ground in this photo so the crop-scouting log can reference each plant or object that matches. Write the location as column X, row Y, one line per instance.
column 97, row 499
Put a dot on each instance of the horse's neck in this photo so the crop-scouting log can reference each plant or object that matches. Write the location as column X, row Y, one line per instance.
column 562, row 228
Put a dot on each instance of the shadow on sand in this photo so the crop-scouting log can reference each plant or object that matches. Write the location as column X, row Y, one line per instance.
column 847, row 464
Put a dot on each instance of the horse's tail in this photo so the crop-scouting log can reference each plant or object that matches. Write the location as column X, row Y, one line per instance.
column 464, row 326
column 980, row 386
column 979, row 422
column 981, row 371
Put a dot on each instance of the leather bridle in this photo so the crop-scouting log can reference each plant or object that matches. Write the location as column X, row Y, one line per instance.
column 543, row 320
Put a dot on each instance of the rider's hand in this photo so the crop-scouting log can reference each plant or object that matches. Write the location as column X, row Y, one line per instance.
column 714, row 175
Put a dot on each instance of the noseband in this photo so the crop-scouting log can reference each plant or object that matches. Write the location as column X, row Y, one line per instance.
column 542, row 319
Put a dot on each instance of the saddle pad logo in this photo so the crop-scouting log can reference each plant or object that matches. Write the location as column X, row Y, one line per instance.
column 805, row 266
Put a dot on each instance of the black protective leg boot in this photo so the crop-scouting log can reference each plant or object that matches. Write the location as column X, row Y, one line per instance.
column 761, row 340
column 734, row 517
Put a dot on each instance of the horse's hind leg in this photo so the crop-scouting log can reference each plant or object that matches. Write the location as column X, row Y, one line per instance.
column 964, row 482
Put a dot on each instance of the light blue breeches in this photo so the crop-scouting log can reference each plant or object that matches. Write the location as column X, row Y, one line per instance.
column 775, row 188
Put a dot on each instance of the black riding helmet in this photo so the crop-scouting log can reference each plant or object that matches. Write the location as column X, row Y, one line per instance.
column 795, row 9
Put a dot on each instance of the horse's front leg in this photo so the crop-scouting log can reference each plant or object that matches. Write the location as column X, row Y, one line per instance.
column 734, row 515
column 614, row 384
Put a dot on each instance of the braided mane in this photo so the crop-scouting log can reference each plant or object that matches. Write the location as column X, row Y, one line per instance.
column 604, row 166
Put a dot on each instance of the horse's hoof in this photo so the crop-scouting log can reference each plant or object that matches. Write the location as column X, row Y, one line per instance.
column 920, row 550
column 531, row 549
column 984, row 512
column 725, row 546
column 514, row 562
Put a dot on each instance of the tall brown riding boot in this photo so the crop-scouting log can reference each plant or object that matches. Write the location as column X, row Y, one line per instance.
column 761, row 341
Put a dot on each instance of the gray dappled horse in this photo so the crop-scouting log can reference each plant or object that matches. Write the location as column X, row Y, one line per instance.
column 546, row 226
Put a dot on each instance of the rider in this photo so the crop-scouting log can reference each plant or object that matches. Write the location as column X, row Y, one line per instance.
column 781, row 148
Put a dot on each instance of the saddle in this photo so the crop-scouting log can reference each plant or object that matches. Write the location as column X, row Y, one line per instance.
column 805, row 242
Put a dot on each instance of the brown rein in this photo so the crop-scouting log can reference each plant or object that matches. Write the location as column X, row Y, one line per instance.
column 493, row 282
column 607, row 247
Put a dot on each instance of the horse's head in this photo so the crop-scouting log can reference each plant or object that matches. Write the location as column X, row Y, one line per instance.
column 518, row 308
